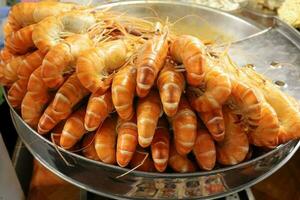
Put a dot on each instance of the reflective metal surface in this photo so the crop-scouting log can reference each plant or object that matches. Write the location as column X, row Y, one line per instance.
column 101, row 178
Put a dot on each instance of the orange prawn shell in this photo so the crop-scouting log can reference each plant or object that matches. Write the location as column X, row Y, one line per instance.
column 17, row 92
column 205, row 150
column 5, row 57
column 73, row 129
column 137, row 159
column 160, row 146
column 88, row 145
column 235, row 146
column 69, row 94
column 149, row 62
column 94, row 66
column 285, row 106
column 61, row 56
column 35, row 99
column 180, row 163
column 11, row 68
column 268, row 130
column 123, row 91
column 47, row 33
column 127, row 140
column 217, row 89
column 105, row 141
column 21, row 41
column 214, row 121
column 170, row 85
column 30, row 63
column 51, row 118
column 99, row 107
column 184, row 125
column 27, row 13
column 190, row 51
column 149, row 110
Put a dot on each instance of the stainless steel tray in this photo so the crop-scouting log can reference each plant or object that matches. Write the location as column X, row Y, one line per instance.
column 101, row 178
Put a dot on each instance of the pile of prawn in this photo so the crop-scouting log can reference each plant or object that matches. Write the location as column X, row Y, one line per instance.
column 129, row 92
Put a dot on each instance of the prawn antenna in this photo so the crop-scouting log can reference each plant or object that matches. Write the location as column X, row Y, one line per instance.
column 57, row 150
column 85, row 147
column 143, row 161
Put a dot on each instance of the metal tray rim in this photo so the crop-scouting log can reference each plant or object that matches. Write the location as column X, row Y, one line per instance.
column 231, row 15
column 152, row 174
column 231, row 191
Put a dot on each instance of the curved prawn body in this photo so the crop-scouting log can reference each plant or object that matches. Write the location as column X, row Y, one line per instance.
column 48, row 33
column 61, row 56
column 98, row 109
column 138, row 158
column 127, row 140
column 286, row 107
column 29, row 64
column 95, row 65
column 149, row 62
column 213, row 93
column 105, row 141
column 50, row 119
column 88, row 145
column 160, row 146
column 17, row 92
column 180, row 163
column 245, row 100
column 123, row 91
column 11, row 68
column 149, row 110
column 268, row 130
column 35, row 99
column 170, row 84
column 27, row 13
column 73, row 129
column 5, row 57
column 214, row 121
column 190, row 51
column 19, row 88
column 7, row 29
column 205, row 150
column 184, row 125
column 69, row 94
column 235, row 146
column 20, row 42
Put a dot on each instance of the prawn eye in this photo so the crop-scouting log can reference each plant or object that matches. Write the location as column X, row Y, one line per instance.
column 280, row 83
column 157, row 28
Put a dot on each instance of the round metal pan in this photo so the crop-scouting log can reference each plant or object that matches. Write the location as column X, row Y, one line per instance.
column 102, row 179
